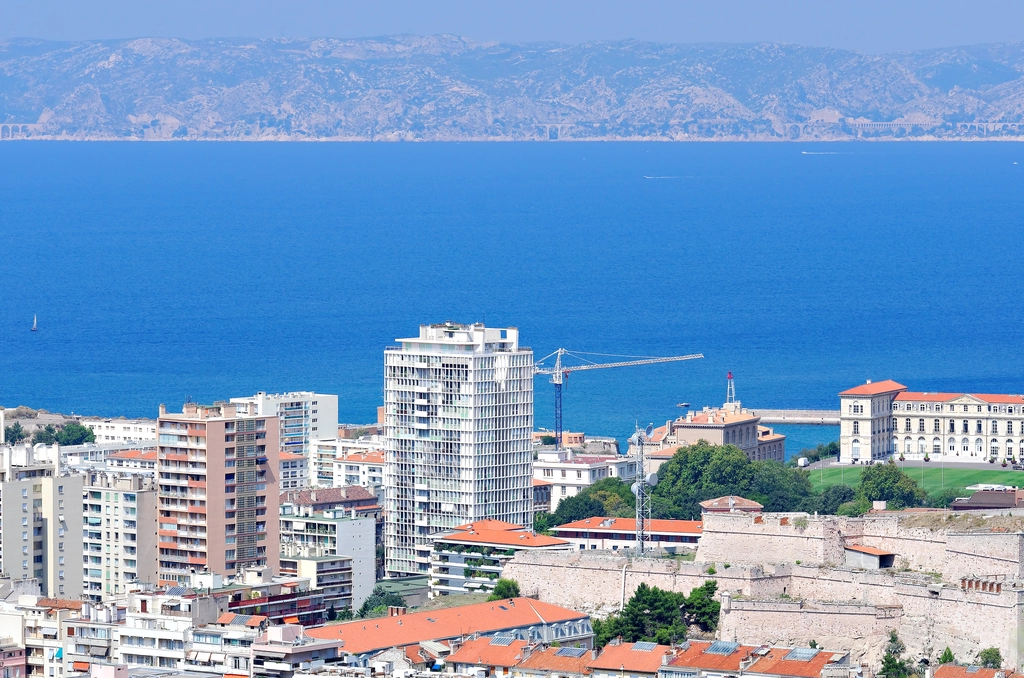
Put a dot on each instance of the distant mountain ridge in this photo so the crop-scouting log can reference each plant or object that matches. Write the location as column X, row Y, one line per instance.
column 450, row 88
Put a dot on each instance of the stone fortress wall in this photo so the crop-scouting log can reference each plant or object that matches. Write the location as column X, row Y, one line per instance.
column 783, row 580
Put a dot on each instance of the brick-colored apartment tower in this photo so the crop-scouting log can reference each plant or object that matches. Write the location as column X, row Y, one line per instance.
column 217, row 491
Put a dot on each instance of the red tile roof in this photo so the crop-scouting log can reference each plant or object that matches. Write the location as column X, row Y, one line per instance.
column 372, row 457
column 724, row 504
column 548, row 661
column 365, row 635
column 133, row 454
column 868, row 550
column 657, row 525
column 624, row 657
column 775, row 664
column 874, row 388
column 480, row 652
column 289, row 456
column 59, row 604
column 502, row 533
column 954, row 671
column 695, row 656
column 326, row 495
column 537, row 482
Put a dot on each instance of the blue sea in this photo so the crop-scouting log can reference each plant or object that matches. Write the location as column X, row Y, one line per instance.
column 166, row 271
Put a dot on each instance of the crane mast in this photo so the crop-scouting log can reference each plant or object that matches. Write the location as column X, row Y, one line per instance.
column 559, row 372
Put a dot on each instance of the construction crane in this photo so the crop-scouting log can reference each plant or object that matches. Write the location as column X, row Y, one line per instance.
column 559, row 373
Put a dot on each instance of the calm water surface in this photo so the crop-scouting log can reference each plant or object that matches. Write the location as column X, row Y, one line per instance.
column 209, row 270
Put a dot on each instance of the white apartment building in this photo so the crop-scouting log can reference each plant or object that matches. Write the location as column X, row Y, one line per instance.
column 158, row 627
column 304, row 416
column 457, row 435
column 329, row 465
column 294, row 471
column 121, row 430
column 120, row 519
column 865, row 421
column 570, row 473
column 946, row 427
column 40, row 519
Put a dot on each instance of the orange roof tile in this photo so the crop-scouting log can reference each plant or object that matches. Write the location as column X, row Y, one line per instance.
column 59, row 604
column 874, row 388
column 372, row 457
column 365, row 635
column 624, row 657
column 715, row 418
column 499, row 532
column 480, row 652
column 664, row 453
column 775, row 664
column 954, row 671
column 548, row 661
column 658, row 525
column 537, row 482
column 868, row 550
column 289, row 456
column 250, row 620
column 133, row 454
column 696, row 657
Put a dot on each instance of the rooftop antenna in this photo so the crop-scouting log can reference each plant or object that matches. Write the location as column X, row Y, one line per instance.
column 640, row 489
column 730, row 389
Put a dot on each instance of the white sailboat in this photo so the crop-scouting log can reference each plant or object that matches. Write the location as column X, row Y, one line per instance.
column 35, row 322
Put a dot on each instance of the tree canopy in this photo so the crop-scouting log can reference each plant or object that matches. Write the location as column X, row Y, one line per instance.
column 71, row 433
column 14, row 433
column 504, row 589
column 379, row 601
column 886, row 482
column 659, row 616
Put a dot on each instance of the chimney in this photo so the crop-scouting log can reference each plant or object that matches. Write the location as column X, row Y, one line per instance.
column 163, row 409
column 395, row 610
column 312, row 496
column 526, row 652
column 665, row 657
column 593, row 654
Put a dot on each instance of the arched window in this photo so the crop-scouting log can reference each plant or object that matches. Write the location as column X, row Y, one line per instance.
column 907, row 446
column 952, row 445
column 1009, row 448
column 936, row 446
column 994, row 447
column 856, row 428
column 979, row 446
column 856, row 448
column 920, row 444
column 966, row 445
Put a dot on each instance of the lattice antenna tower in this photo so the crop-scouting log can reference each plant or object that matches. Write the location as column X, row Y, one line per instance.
column 730, row 389
column 640, row 489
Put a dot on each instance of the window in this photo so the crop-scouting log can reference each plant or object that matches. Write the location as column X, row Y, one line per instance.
column 995, row 427
column 952, row 426
column 24, row 493
column 977, row 427
column 906, row 425
column 936, row 426
column 920, row 425
column 1009, row 428
column 966, row 428
column 856, row 428
column 60, row 490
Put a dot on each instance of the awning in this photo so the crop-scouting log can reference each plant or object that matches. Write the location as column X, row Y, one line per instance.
column 79, row 666
column 49, row 632
column 203, row 657
column 217, row 658
column 98, row 651
column 291, row 620
column 192, row 655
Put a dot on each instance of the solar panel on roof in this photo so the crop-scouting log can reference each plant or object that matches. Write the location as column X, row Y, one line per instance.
column 722, row 647
column 176, row 590
column 801, row 654
column 973, row 669
column 576, row 652
column 502, row 640
column 644, row 646
column 241, row 619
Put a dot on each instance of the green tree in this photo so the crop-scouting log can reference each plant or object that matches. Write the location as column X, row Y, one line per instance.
column 345, row 614
column 379, row 601
column 834, row 496
column 575, row 508
column 75, row 434
column 990, row 658
column 542, row 522
column 652, row 615
column 14, row 433
column 46, row 435
column 504, row 589
column 857, row 507
column 701, row 608
column 892, row 665
column 944, row 498
column 813, row 454
column 947, row 657
column 547, row 440
column 616, row 497
column 886, row 482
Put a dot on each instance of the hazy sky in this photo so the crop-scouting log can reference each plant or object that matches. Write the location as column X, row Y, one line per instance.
column 866, row 25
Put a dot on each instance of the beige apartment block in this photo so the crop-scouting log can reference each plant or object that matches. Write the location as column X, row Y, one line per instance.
column 41, row 519
column 120, row 525
column 731, row 424
column 217, row 491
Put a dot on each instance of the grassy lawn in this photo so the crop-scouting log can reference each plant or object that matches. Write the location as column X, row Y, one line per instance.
column 934, row 477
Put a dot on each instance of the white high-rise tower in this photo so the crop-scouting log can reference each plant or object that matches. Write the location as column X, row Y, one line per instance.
column 457, row 434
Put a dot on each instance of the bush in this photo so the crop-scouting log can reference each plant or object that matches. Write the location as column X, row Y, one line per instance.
column 379, row 602
column 886, row 482
column 834, row 496
column 857, row 507
column 505, row 589
column 944, row 498
column 990, row 658
column 947, row 657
